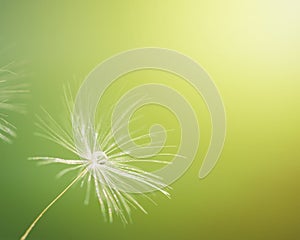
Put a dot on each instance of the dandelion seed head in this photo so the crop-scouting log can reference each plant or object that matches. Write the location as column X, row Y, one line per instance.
column 108, row 170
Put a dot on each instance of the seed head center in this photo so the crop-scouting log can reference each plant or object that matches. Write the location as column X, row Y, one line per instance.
column 98, row 158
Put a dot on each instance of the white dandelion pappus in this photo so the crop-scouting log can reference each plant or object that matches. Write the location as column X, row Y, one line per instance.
column 10, row 90
column 101, row 164
column 105, row 157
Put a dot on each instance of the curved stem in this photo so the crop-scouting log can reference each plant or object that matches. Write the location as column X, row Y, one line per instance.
column 45, row 210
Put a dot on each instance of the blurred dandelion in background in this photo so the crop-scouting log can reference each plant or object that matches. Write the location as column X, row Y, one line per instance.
column 12, row 92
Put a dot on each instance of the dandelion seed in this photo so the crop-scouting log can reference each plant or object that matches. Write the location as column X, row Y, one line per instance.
column 102, row 165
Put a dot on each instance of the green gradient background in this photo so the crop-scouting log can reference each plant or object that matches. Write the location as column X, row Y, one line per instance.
column 252, row 51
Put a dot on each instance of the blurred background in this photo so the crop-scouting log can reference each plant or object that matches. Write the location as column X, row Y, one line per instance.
column 251, row 49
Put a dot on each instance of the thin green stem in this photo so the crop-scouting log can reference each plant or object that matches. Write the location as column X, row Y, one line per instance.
column 58, row 197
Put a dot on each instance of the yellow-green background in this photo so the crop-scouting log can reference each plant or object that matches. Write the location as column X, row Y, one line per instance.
column 252, row 51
